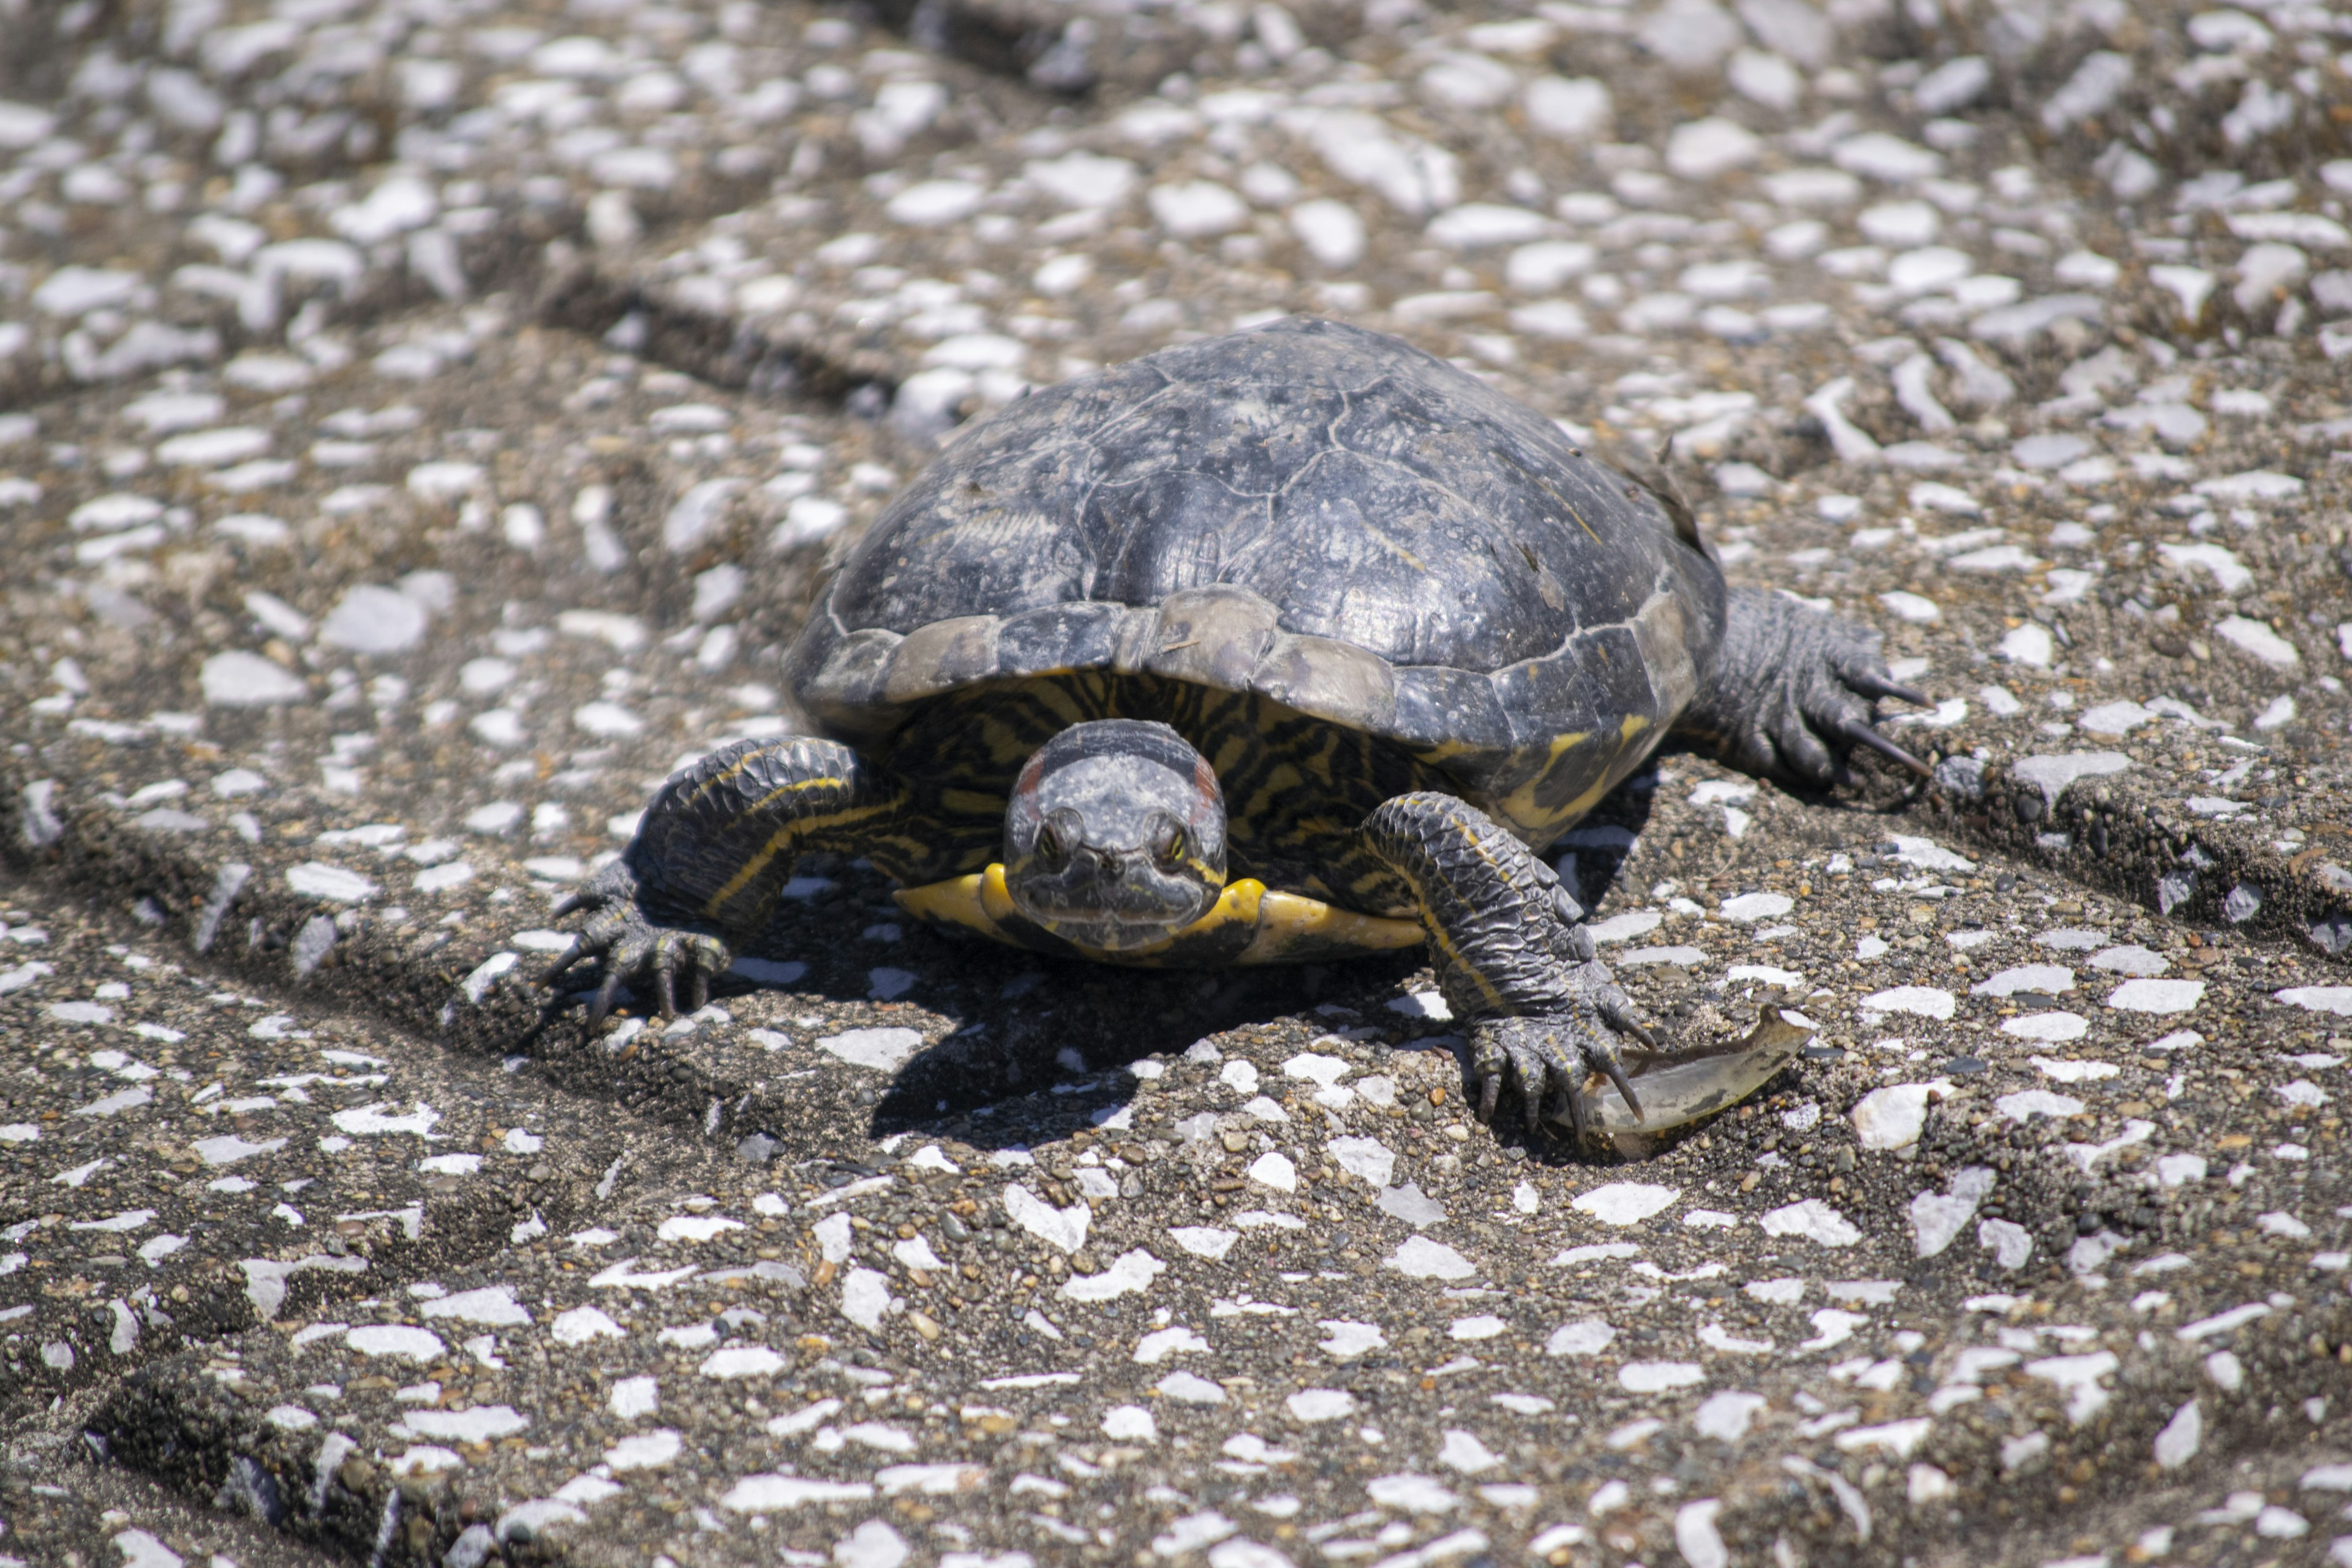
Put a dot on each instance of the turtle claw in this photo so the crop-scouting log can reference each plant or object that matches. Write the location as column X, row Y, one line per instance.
column 562, row 963
column 1545, row 1062
column 631, row 948
column 601, row 1007
column 1870, row 683
column 1861, row 734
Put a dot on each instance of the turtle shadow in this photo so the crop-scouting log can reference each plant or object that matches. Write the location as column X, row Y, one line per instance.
column 1042, row 1054
column 1591, row 855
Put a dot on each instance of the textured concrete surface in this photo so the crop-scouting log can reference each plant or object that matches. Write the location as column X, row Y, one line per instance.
column 422, row 425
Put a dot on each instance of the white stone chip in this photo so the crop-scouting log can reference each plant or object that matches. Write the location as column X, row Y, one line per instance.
column 2031, row 1102
column 1937, row 1218
column 774, row 1493
column 1586, row 1336
column 2048, row 1029
column 1422, row 1259
column 864, row 1301
column 1578, row 109
column 2258, row 639
column 1626, row 1202
column 1746, row 908
column 482, row 1424
column 1919, row 1001
column 1063, row 1228
column 2053, row 775
column 1814, row 1220
column 1211, row 1242
column 1129, row 1424
column 1658, row 1376
column 396, row 1339
column 1624, row 927
column 1275, row 1171
column 1189, row 1388
column 373, row 619
column 582, row 1324
column 1892, row 1115
column 1331, row 231
column 1130, row 1273
column 1423, row 1004
column 1706, row 149
column 646, row 1451
column 1462, row 1451
column 1197, row 209
column 1411, row 1493
column 492, row 1305
column 2334, row 999
column 2047, row 977
column 2160, row 996
column 240, row 680
column 1310, row 1405
column 883, row 1050
column 1160, row 1343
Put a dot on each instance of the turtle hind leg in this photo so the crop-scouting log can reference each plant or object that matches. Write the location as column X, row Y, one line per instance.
column 712, row 854
column 1791, row 693
column 1511, row 958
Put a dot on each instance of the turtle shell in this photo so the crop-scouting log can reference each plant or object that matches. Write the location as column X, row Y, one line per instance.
column 1323, row 516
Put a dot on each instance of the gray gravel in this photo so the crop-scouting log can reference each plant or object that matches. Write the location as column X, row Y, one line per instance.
column 422, row 428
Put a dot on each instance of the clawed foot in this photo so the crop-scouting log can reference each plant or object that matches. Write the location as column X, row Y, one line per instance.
column 634, row 950
column 1793, row 693
column 1546, row 1060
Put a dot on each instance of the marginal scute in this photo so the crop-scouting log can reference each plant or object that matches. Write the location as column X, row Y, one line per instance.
column 1214, row 636
column 1057, row 637
column 942, row 656
column 1334, row 680
column 1662, row 633
column 1137, row 639
column 844, row 691
column 1447, row 714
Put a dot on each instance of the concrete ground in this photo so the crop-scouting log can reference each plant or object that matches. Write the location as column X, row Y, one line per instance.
column 422, row 428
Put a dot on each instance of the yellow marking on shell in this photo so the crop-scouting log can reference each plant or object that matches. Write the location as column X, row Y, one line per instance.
column 1520, row 805
column 1541, row 826
column 1288, row 926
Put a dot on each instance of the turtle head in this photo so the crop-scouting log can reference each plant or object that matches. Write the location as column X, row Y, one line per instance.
column 1115, row 836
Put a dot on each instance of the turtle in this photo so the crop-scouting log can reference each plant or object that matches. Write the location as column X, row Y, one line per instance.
column 1289, row 644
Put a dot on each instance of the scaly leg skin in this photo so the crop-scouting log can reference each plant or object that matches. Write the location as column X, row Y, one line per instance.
column 702, row 875
column 1511, row 957
column 1793, row 693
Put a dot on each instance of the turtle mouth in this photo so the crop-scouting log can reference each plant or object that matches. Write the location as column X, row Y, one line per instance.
column 1112, row 901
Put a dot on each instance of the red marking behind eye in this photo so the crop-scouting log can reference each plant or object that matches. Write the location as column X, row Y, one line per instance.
column 1205, row 787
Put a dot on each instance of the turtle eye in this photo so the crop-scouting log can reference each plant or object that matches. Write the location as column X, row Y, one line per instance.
column 1173, row 847
column 1050, row 851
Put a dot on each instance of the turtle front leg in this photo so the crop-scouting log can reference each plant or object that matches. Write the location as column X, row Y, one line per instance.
column 702, row 875
column 1791, row 693
column 1512, row 957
